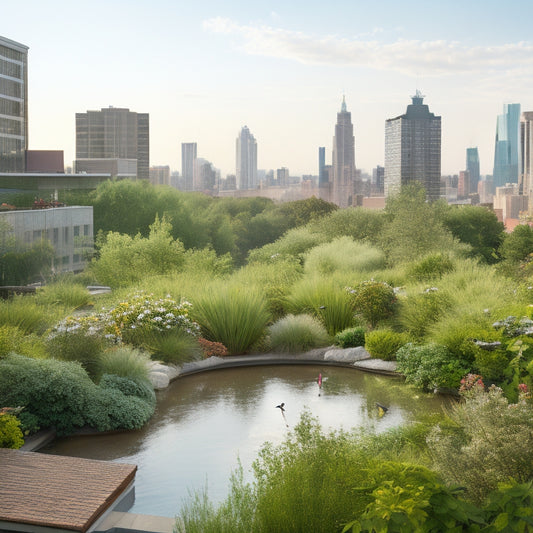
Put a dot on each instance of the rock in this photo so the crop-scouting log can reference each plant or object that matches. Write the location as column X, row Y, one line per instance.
column 376, row 365
column 171, row 371
column 159, row 380
column 346, row 355
column 194, row 366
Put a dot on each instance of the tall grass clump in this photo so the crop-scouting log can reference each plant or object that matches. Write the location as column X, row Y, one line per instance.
column 64, row 293
column 172, row 346
column 126, row 362
column 24, row 313
column 297, row 333
column 431, row 267
column 324, row 300
column 231, row 315
column 343, row 254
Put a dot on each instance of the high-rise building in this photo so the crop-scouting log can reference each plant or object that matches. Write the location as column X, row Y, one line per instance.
column 160, row 175
column 246, row 160
column 188, row 158
column 114, row 133
column 412, row 149
column 13, row 105
column 507, row 146
column 378, row 179
column 526, row 157
column 343, row 160
column 322, row 176
column 472, row 166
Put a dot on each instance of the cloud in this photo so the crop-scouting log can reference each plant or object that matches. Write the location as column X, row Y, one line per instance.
column 430, row 58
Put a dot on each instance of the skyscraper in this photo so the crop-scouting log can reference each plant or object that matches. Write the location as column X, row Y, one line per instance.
column 526, row 156
column 507, row 147
column 114, row 133
column 188, row 158
column 13, row 105
column 472, row 166
column 412, row 149
column 322, row 176
column 343, row 161
column 246, row 160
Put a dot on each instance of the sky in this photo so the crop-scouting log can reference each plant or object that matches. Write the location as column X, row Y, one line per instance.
column 204, row 69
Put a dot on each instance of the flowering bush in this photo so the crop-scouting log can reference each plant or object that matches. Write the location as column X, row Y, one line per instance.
column 212, row 349
column 471, row 381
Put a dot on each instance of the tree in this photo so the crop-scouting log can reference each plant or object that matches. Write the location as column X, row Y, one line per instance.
column 518, row 244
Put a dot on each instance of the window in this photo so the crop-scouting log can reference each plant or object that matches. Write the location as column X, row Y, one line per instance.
column 76, row 258
column 65, row 235
column 86, row 229
column 56, row 235
column 76, row 231
column 65, row 260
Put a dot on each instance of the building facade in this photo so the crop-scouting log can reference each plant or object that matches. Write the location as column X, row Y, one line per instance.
column 114, row 133
column 413, row 149
column 246, row 160
column 507, row 146
column 160, row 175
column 343, row 160
column 189, row 153
column 472, row 166
column 526, row 157
column 13, row 105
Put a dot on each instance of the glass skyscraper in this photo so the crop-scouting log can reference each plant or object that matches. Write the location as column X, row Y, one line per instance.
column 507, row 146
column 13, row 105
column 246, row 160
column 412, row 149
column 472, row 166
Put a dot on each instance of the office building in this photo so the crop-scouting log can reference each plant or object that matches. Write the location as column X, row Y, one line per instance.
column 13, row 105
column 246, row 160
column 343, row 160
column 472, row 166
column 205, row 176
column 188, row 157
column 160, row 175
column 114, row 133
column 378, row 179
column 413, row 149
column 507, row 146
column 526, row 157
column 282, row 177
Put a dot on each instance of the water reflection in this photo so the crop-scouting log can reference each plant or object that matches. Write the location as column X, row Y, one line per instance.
column 204, row 422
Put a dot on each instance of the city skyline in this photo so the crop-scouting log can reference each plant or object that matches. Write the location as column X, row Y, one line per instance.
column 202, row 71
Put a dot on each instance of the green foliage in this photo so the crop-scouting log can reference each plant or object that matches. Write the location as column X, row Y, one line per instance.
column 233, row 316
column 351, row 337
column 343, row 254
column 126, row 362
column 374, row 300
column 384, row 343
column 510, row 507
column 174, row 346
column 324, row 300
column 24, row 313
column 65, row 293
column 431, row 267
column 418, row 311
column 208, row 261
column 488, row 442
column 10, row 433
column 297, row 333
column 430, row 366
column 518, row 244
column 138, row 387
column 300, row 212
column 10, row 339
column 61, row 395
column 491, row 364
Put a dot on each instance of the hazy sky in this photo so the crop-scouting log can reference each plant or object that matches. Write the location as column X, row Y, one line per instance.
column 203, row 69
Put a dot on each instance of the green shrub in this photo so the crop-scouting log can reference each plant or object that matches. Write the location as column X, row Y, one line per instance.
column 384, row 343
column 430, row 366
column 140, row 387
column 126, row 362
column 10, row 338
column 324, row 300
column 491, row 364
column 10, row 433
column 350, row 337
column 172, row 346
column 374, row 300
column 297, row 333
column 235, row 317
column 431, row 267
column 343, row 254
column 488, row 442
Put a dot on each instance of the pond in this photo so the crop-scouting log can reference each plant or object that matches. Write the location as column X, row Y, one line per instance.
column 205, row 422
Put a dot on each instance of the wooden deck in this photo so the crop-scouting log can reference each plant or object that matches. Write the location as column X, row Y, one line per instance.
column 58, row 492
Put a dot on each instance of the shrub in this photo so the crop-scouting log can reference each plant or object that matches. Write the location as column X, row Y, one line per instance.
column 350, row 337
column 212, row 349
column 374, row 300
column 10, row 338
column 431, row 267
column 126, row 362
column 173, row 346
column 10, row 433
column 324, row 300
column 232, row 316
column 430, row 366
column 343, row 254
column 140, row 387
column 489, row 442
column 297, row 333
column 384, row 343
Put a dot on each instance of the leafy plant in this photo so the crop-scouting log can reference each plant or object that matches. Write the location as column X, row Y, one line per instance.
column 374, row 300
column 297, row 333
column 431, row 267
column 384, row 343
column 10, row 433
column 351, row 337
column 212, row 349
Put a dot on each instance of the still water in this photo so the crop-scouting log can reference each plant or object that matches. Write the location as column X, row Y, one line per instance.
column 205, row 422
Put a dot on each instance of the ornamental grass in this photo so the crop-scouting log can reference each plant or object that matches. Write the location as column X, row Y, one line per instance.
column 298, row 333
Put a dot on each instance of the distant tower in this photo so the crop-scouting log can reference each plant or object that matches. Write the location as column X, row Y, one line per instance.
column 343, row 187
column 322, row 176
column 114, row 133
column 13, row 105
column 412, row 149
column 526, row 153
column 188, row 158
column 246, row 160
column 507, row 147
column 472, row 166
